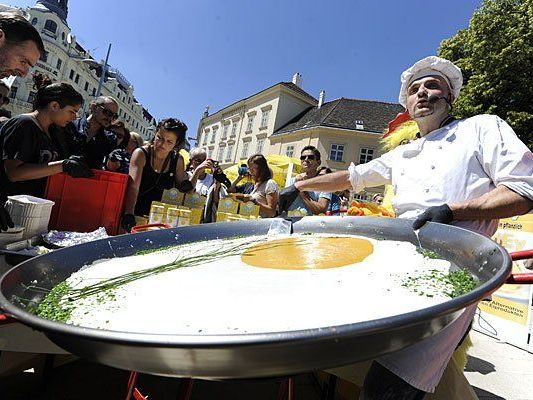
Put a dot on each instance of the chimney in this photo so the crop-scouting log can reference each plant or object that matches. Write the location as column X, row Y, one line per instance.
column 321, row 98
column 206, row 112
column 297, row 79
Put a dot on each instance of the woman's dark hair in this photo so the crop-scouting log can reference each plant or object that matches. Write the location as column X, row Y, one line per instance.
column 126, row 139
column 327, row 169
column 176, row 126
column 47, row 92
column 17, row 30
column 314, row 150
column 264, row 171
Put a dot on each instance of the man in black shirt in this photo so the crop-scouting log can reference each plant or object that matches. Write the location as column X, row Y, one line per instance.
column 89, row 138
column 20, row 48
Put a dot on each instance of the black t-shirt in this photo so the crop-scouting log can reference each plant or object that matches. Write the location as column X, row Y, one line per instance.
column 22, row 139
column 94, row 149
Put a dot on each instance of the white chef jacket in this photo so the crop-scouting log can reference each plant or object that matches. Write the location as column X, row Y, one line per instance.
column 458, row 162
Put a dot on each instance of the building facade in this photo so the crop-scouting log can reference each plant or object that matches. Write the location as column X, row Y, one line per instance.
column 245, row 127
column 65, row 60
column 283, row 119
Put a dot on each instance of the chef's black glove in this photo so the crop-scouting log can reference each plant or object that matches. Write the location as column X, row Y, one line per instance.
column 222, row 178
column 5, row 219
column 128, row 222
column 76, row 167
column 441, row 214
column 287, row 197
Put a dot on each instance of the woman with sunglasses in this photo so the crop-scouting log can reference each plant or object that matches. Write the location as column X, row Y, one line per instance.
column 32, row 145
column 310, row 203
column 154, row 168
column 265, row 189
column 119, row 159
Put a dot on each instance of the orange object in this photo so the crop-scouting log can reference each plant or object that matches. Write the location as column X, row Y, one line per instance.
column 397, row 121
column 149, row 227
column 86, row 204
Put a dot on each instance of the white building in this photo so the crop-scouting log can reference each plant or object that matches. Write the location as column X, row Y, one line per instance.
column 65, row 60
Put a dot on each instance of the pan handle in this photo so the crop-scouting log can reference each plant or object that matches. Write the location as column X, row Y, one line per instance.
column 525, row 277
column 6, row 319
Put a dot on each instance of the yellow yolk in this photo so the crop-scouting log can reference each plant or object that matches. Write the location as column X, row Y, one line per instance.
column 308, row 252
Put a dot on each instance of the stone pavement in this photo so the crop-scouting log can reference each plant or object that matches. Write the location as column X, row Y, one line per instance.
column 498, row 370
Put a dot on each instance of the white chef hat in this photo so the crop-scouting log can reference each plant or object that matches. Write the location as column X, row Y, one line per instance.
column 432, row 65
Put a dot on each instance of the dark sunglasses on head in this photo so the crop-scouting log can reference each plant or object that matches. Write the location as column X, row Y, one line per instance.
column 4, row 99
column 108, row 113
column 307, row 157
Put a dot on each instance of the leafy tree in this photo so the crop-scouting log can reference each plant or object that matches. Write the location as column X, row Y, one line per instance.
column 495, row 54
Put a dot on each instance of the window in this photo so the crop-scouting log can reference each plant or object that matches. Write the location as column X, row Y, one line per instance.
column 31, row 97
column 63, row 36
column 250, row 124
column 365, row 155
column 34, row 21
column 77, row 78
column 259, row 147
column 86, row 88
column 50, row 26
column 94, row 91
column 213, row 135
column 244, row 152
column 59, row 63
column 264, row 118
column 44, row 56
column 336, row 152
column 71, row 76
column 225, row 131
column 13, row 92
column 229, row 152
column 220, row 153
column 234, row 129
column 289, row 151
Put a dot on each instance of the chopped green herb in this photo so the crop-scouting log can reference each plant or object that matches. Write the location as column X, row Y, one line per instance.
column 428, row 253
column 452, row 284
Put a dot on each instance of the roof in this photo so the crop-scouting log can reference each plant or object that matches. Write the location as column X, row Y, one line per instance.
column 345, row 114
column 289, row 85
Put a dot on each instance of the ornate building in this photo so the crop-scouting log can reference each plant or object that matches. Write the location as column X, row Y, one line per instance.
column 66, row 60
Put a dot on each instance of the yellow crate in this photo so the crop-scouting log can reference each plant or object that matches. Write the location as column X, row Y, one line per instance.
column 173, row 196
column 228, row 205
column 249, row 209
column 194, row 200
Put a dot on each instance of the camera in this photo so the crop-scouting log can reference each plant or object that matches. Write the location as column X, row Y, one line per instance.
column 243, row 170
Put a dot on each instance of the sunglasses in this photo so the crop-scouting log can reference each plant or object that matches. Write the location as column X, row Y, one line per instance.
column 108, row 113
column 4, row 99
column 307, row 157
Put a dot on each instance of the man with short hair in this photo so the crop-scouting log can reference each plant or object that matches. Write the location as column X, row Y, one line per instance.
column 89, row 136
column 468, row 173
column 20, row 45
column 310, row 202
column 20, row 48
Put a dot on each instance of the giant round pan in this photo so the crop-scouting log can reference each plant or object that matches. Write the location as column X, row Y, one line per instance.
column 254, row 355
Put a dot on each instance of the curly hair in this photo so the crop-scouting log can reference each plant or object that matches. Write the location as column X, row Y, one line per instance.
column 176, row 126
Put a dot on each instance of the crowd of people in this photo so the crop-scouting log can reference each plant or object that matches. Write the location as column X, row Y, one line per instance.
column 468, row 172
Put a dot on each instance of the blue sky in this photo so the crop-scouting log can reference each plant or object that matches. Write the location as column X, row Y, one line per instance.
column 182, row 55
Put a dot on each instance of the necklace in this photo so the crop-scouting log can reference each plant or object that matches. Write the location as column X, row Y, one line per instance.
column 153, row 162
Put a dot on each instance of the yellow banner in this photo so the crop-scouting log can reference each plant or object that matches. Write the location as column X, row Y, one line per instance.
column 506, row 309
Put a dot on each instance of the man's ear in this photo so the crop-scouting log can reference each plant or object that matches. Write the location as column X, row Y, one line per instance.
column 54, row 106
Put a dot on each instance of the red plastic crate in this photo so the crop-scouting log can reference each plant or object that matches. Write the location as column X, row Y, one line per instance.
column 85, row 204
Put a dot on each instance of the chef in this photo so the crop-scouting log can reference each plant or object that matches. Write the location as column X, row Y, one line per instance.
column 468, row 172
